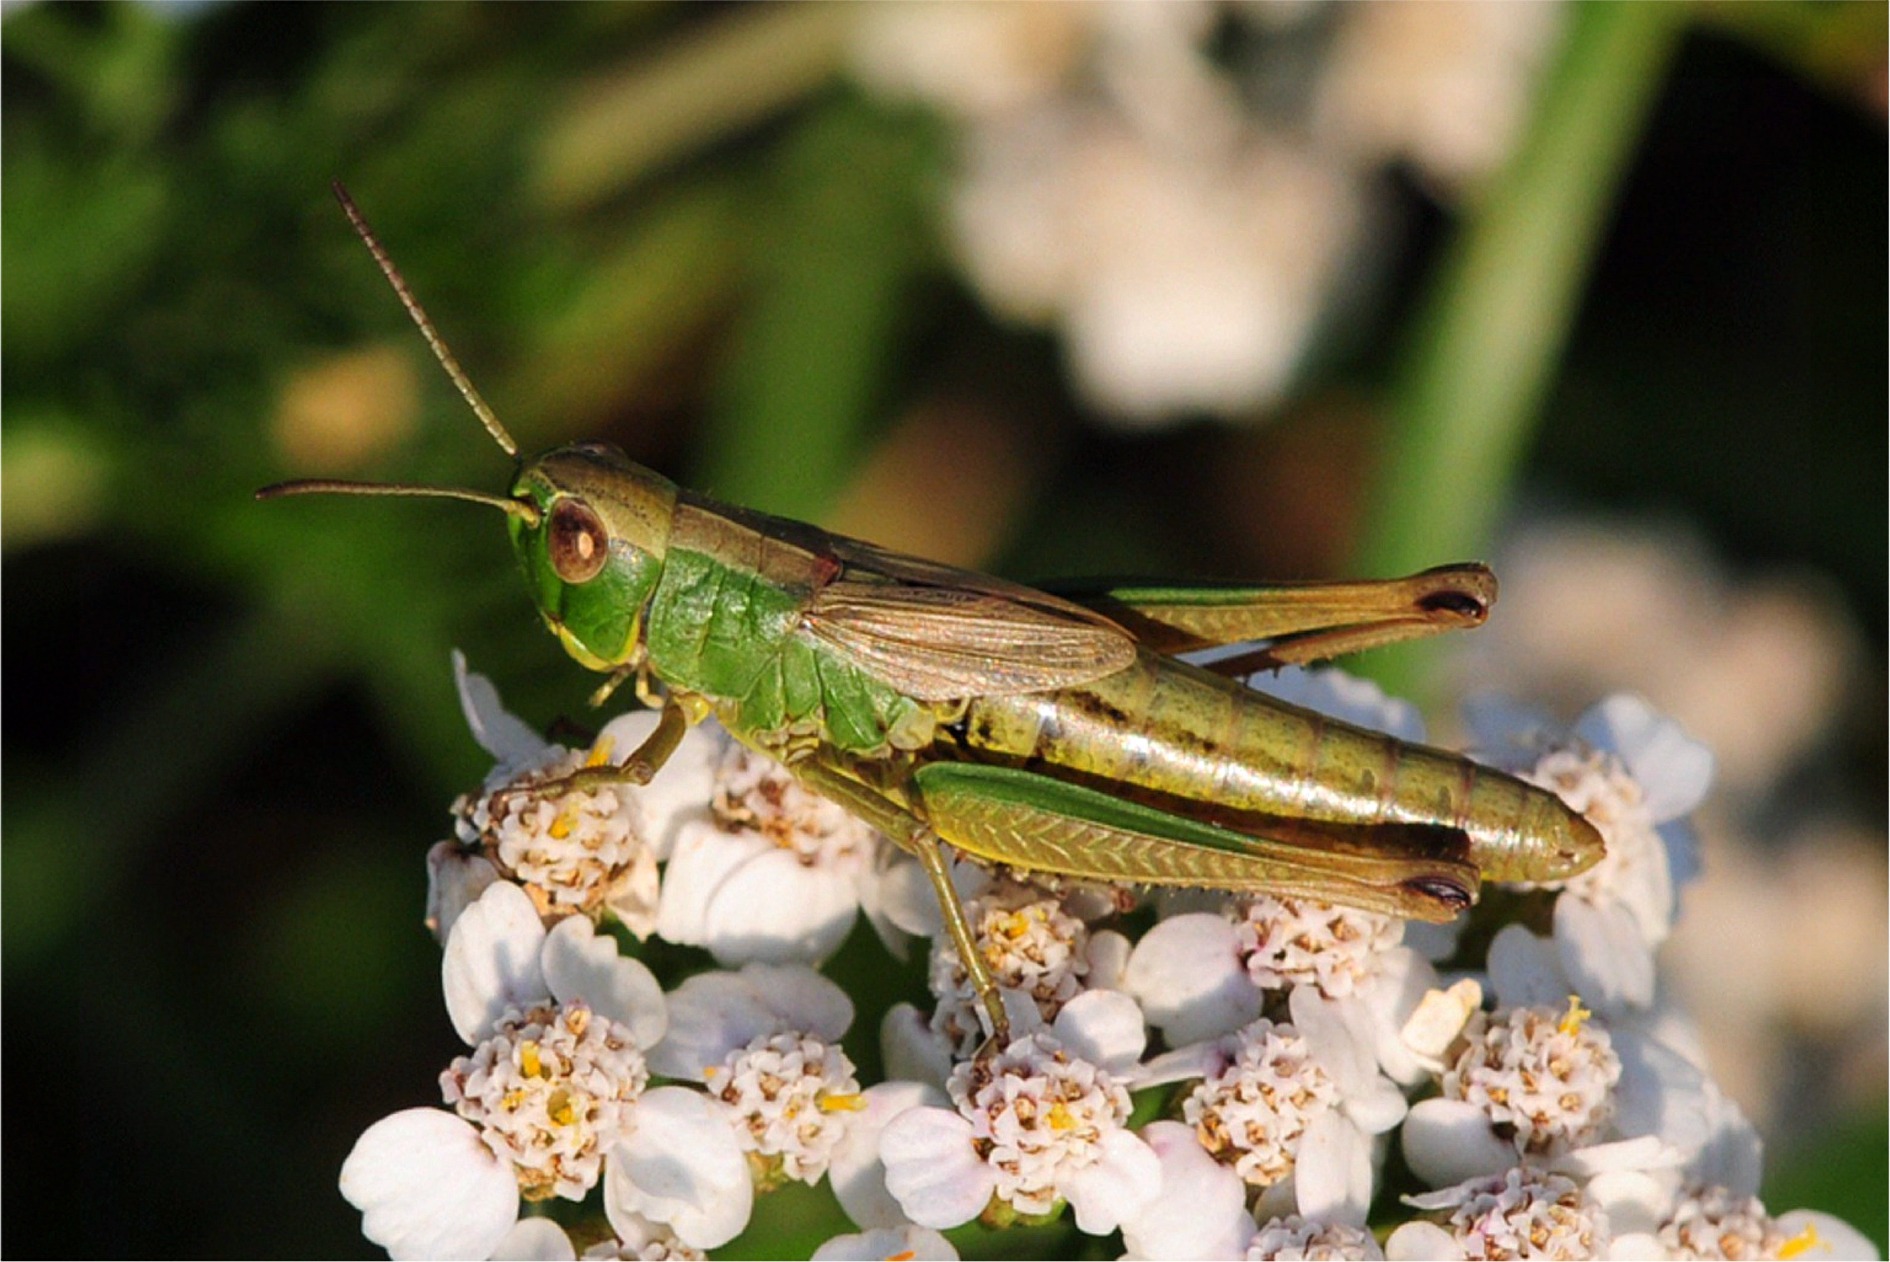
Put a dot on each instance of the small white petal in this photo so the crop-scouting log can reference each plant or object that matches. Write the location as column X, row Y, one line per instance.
column 1602, row 950
column 1103, row 1027
column 1449, row 1141
column 1189, row 978
column 1124, row 1178
column 1634, row 1200
column 876, row 886
column 1419, row 1241
column 932, row 1170
column 856, row 1173
column 428, row 1187
column 1674, row 770
column 699, row 862
column 906, row 898
column 1193, row 1060
column 746, row 899
column 1644, row 1152
column 920, row 1244
column 710, row 1015
column 1831, row 1237
column 1633, row 1246
column 1202, row 1210
column 802, row 999
column 456, row 877
column 1108, row 955
column 911, row 1049
column 681, row 789
column 491, row 960
column 535, row 1240
column 682, row 1166
column 1662, row 1093
column 1332, row 1173
column 1526, row 971
column 1329, row 1028
column 582, row 964
column 504, row 735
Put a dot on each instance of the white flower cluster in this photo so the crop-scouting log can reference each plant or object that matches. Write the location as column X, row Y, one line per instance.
column 1178, row 188
column 1542, row 1098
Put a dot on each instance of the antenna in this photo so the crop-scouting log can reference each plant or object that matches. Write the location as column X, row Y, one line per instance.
column 525, row 512
column 485, row 414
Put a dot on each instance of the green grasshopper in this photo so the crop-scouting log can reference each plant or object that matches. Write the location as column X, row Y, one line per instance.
column 1049, row 733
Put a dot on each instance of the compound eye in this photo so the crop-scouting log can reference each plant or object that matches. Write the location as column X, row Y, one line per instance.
column 579, row 543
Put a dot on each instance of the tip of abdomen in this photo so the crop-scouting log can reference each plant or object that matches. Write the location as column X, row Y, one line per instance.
column 1553, row 843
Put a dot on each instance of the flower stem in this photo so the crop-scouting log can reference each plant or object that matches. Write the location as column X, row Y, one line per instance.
column 1495, row 323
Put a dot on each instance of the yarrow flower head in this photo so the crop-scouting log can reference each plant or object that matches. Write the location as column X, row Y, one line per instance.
column 551, row 1090
column 1252, row 1114
column 1524, row 1213
column 1039, row 1123
column 1295, row 1238
column 551, row 1098
column 573, row 851
column 1032, row 943
column 766, row 1041
column 1542, row 1076
column 1289, row 942
column 1636, row 776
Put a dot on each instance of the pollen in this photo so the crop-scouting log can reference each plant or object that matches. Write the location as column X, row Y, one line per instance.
column 529, row 1062
column 601, row 752
column 841, row 1102
column 1802, row 1243
column 1576, row 1016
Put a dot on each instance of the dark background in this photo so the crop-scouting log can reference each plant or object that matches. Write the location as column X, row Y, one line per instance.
column 231, row 731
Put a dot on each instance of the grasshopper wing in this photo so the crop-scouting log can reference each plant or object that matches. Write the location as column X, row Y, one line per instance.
column 937, row 633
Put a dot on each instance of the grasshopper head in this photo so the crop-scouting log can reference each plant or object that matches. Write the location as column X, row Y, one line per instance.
column 590, row 527
column 594, row 548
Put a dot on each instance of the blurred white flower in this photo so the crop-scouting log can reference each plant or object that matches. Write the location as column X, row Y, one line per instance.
column 1444, row 85
column 1182, row 217
column 551, row 1096
column 1040, row 1123
column 1636, row 776
column 1760, row 670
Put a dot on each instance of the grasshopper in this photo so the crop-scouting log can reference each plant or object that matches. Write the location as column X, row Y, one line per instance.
column 1052, row 733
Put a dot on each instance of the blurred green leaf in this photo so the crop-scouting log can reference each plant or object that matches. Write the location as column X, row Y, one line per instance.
column 841, row 231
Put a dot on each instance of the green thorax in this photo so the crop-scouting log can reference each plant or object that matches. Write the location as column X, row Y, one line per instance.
column 726, row 621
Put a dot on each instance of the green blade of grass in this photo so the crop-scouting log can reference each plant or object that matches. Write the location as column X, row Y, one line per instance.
column 1499, row 313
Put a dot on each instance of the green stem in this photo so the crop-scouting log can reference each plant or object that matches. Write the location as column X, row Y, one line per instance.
column 1496, row 322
